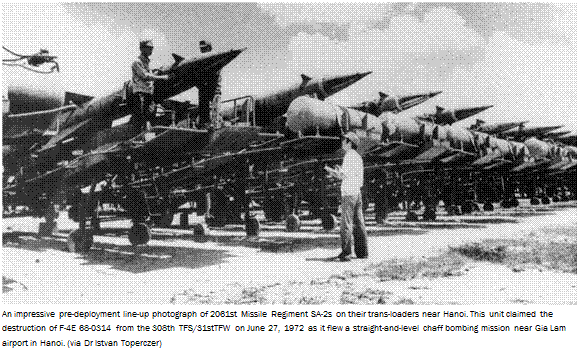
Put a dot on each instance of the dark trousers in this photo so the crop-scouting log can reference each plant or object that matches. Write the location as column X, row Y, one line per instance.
column 352, row 227
column 209, row 89
column 144, row 109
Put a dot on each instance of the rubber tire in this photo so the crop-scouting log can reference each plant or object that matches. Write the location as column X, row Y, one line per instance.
column 545, row 200
column 95, row 223
column 453, row 210
column 429, row 214
column 556, row 198
column 534, row 201
column 411, row 216
column 466, row 208
column 198, row 229
column 292, row 223
column 252, row 226
column 78, row 242
column 184, row 220
column 381, row 216
column 46, row 229
column 329, row 221
column 488, row 207
column 139, row 234
column 163, row 221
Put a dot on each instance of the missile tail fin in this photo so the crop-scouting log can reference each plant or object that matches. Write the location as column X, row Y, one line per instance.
column 178, row 59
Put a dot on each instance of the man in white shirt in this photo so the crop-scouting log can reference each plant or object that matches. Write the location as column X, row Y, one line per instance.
column 142, row 85
column 352, row 219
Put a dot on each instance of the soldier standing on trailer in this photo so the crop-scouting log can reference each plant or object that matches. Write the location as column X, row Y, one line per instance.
column 142, row 86
column 209, row 95
column 352, row 219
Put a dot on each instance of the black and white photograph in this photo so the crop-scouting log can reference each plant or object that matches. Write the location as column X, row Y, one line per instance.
column 289, row 153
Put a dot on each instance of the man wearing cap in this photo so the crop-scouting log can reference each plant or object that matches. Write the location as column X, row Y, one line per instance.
column 142, row 86
column 352, row 219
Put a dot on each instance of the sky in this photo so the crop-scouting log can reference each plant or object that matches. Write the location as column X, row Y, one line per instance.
column 521, row 58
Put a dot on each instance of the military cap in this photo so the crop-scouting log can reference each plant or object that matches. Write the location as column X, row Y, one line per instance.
column 204, row 46
column 146, row 43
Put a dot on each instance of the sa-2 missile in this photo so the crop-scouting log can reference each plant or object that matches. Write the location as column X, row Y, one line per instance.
column 526, row 132
column 492, row 129
column 556, row 135
column 309, row 116
column 449, row 116
column 569, row 140
column 99, row 113
column 393, row 104
column 273, row 105
column 187, row 73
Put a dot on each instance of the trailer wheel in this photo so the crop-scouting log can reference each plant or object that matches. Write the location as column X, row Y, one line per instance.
column 565, row 198
column 488, row 206
column 139, row 234
column 95, row 223
column 46, row 229
column 329, row 221
column 380, row 216
column 252, row 226
column 429, row 214
column 79, row 241
column 198, row 229
column 534, row 201
column 453, row 210
column 545, row 200
column 292, row 223
column 163, row 221
column 184, row 220
column 466, row 208
column 411, row 216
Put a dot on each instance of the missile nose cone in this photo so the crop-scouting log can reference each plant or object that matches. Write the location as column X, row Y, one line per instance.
column 461, row 114
column 340, row 82
column 433, row 94
column 220, row 60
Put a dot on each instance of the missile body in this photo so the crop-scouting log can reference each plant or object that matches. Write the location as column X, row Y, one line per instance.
column 273, row 105
column 569, row 140
column 309, row 116
column 496, row 128
column 393, row 104
column 556, row 135
column 187, row 73
column 448, row 117
column 525, row 132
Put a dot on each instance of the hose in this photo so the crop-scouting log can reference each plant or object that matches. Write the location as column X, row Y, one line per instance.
column 32, row 61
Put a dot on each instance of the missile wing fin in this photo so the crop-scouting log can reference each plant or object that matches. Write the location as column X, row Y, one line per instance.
column 178, row 59
column 305, row 80
column 35, row 124
column 64, row 135
column 76, row 98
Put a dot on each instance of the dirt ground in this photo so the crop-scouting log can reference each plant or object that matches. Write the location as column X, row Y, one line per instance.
column 522, row 255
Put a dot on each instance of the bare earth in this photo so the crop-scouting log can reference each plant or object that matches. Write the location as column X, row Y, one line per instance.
column 522, row 255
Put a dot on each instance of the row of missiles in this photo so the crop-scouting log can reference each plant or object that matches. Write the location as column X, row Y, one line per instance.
column 307, row 116
column 37, row 122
